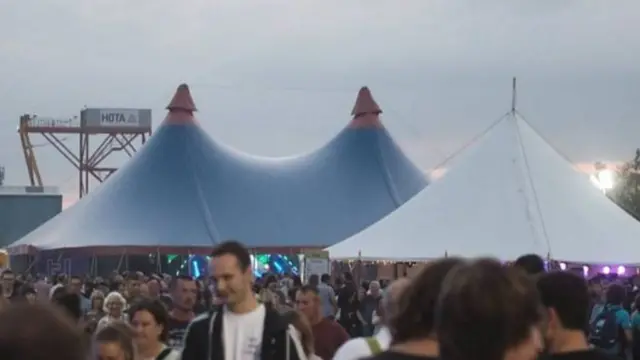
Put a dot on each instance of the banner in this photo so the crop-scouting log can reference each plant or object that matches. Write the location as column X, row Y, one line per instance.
column 316, row 262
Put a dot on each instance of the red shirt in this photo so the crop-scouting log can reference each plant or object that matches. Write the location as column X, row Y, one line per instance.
column 328, row 336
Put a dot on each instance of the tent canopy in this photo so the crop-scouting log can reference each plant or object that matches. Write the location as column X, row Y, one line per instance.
column 185, row 192
column 507, row 194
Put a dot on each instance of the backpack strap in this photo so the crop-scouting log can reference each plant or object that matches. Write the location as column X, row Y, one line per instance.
column 163, row 354
column 374, row 345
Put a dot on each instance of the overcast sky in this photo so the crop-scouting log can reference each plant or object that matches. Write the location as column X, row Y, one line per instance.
column 279, row 77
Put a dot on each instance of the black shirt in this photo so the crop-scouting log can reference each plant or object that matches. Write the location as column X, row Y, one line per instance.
column 392, row 355
column 590, row 354
column 176, row 330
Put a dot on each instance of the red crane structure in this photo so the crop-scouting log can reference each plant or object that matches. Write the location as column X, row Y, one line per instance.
column 114, row 130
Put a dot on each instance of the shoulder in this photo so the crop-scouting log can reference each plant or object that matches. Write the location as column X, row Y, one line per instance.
column 201, row 322
column 353, row 349
column 173, row 355
column 623, row 316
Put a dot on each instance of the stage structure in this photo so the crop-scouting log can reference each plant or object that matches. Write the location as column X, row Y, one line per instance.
column 113, row 129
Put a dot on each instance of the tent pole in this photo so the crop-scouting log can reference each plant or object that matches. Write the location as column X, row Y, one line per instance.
column 158, row 261
column 120, row 262
column 32, row 263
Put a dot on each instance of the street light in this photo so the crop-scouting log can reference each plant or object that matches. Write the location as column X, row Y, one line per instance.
column 604, row 178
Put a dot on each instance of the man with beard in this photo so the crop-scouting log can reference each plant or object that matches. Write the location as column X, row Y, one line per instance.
column 183, row 294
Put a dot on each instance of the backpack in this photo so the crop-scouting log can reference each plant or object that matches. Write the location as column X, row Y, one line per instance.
column 374, row 345
column 603, row 332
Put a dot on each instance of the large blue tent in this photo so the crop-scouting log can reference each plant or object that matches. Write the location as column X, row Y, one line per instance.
column 184, row 192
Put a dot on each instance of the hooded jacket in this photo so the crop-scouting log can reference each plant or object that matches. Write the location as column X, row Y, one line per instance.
column 204, row 338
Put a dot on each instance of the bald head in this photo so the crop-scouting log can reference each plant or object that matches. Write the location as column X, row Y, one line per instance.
column 391, row 295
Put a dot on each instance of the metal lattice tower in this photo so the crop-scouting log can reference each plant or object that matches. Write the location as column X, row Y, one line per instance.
column 116, row 130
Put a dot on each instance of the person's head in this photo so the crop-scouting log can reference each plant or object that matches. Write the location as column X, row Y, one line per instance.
column 488, row 311
column 388, row 307
column 184, row 292
column 615, row 294
column 117, row 278
column 565, row 298
column 114, row 304
column 301, row 324
column 308, row 302
column 144, row 290
column 271, row 282
column 74, row 286
column 271, row 299
column 325, row 278
column 415, row 315
column 314, row 280
column 8, row 280
column 154, row 288
column 39, row 332
column 69, row 303
column 532, row 264
column 133, row 285
column 149, row 319
column 28, row 293
column 97, row 300
column 231, row 269
column 374, row 288
column 115, row 342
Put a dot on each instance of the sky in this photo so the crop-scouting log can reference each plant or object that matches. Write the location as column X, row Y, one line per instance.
column 279, row 77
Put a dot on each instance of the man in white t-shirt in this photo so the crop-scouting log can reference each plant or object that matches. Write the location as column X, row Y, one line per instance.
column 363, row 347
column 241, row 329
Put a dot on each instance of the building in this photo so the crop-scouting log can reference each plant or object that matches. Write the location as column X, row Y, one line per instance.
column 24, row 208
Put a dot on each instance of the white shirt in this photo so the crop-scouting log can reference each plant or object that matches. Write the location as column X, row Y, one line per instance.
column 242, row 334
column 358, row 348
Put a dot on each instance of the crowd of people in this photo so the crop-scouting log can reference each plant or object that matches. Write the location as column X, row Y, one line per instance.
column 453, row 309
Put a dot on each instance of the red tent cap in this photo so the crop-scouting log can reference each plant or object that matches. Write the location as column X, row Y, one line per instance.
column 181, row 107
column 182, row 100
column 365, row 111
column 365, row 103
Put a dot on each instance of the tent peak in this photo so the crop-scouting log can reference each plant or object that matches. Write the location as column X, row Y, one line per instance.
column 366, row 112
column 181, row 106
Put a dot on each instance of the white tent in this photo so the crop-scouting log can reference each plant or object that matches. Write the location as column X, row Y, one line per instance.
column 507, row 194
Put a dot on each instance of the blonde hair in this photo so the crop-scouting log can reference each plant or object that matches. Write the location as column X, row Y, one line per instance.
column 95, row 295
column 113, row 297
column 302, row 325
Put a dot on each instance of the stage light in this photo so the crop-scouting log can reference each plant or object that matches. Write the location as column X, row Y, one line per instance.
column 563, row 266
column 621, row 270
column 585, row 270
column 606, row 270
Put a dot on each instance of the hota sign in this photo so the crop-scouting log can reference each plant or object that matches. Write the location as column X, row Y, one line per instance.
column 119, row 118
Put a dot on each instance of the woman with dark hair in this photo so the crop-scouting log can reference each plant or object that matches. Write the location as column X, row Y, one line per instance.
column 115, row 342
column 149, row 319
